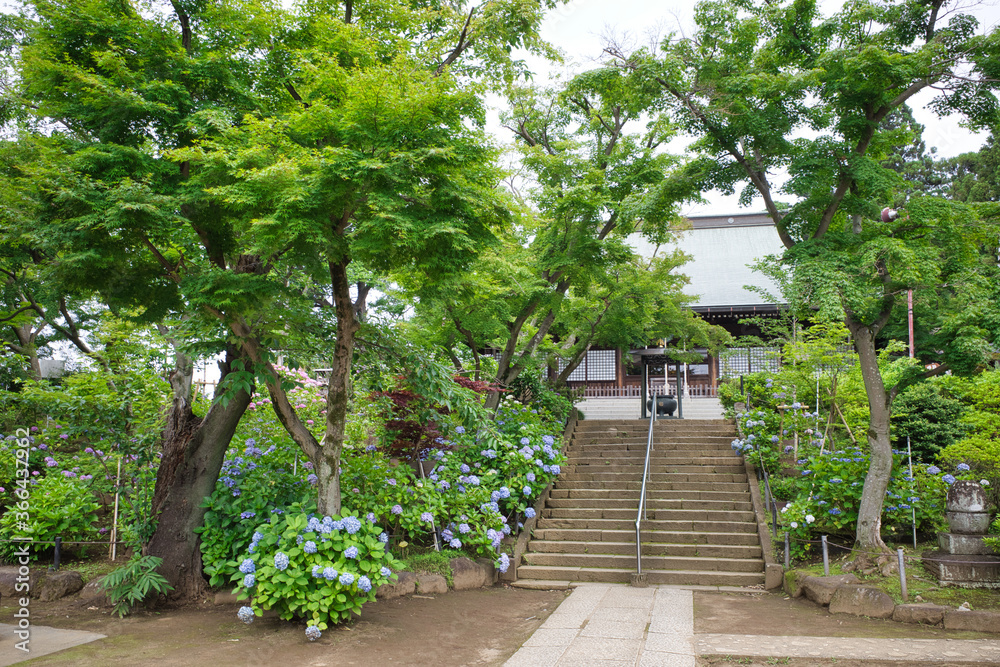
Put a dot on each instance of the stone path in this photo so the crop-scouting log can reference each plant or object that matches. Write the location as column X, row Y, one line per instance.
column 44, row 640
column 608, row 625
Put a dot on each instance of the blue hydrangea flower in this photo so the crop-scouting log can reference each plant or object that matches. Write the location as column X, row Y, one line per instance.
column 948, row 479
column 309, row 547
column 473, row 480
column 529, row 512
column 351, row 524
column 548, row 439
column 364, row 583
column 525, row 441
column 465, row 469
column 835, row 511
column 556, row 470
column 426, row 517
column 248, row 566
column 463, row 528
column 933, row 470
column 504, row 492
column 280, row 560
column 383, row 538
column 495, row 496
column 317, row 571
column 371, row 517
column 313, row 480
column 836, row 480
column 385, row 572
column 329, row 573
column 397, row 509
column 503, row 562
column 247, row 515
column 245, row 614
column 527, row 490
column 459, row 429
column 313, row 633
column 963, row 467
column 351, row 552
column 249, row 580
column 455, row 543
column 347, row 579
column 530, row 477
column 314, row 525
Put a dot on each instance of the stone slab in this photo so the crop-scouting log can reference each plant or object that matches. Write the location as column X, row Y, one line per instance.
column 980, row 621
column 821, row 589
column 956, row 543
column 43, row 641
column 963, row 569
column 541, row 584
column 860, row 600
column 55, row 585
column 923, row 613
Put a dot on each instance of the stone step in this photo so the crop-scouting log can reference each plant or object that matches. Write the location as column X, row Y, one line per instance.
column 693, row 525
column 632, row 495
column 652, row 514
column 658, row 467
column 623, row 576
column 651, row 536
column 635, row 484
column 653, row 503
column 704, row 477
column 624, row 561
column 724, row 446
column 648, row 549
column 640, row 438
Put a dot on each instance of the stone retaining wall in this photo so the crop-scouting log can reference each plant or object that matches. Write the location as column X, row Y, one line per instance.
column 845, row 594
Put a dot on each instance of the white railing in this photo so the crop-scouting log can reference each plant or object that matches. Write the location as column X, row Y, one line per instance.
column 635, row 391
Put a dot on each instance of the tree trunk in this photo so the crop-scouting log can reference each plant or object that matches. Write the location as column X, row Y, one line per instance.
column 338, row 392
column 868, row 537
column 193, row 452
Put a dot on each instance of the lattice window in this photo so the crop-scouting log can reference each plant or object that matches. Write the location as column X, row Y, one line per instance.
column 742, row 360
column 601, row 365
column 597, row 366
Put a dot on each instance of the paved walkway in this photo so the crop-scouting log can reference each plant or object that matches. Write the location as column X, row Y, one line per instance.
column 607, row 625
column 43, row 640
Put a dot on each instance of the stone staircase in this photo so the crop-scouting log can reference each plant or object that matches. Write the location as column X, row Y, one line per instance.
column 700, row 527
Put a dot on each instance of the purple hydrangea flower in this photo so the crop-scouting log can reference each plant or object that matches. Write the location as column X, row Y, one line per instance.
column 397, row 509
column 427, row 517
column 313, row 633
column 455, row 543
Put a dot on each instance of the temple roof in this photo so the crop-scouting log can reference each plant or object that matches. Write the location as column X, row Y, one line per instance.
column 722, row 249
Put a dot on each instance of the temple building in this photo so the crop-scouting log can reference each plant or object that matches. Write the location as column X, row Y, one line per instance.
column 723, row 248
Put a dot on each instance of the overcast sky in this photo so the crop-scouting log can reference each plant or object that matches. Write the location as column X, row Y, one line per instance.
column 578, row 28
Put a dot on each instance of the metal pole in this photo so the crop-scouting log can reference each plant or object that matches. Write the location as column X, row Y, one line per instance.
column 902, row 572
column 114, row 522
column 909, row 317
column 55, row 555
column 913, row 510
column 826, row 558
column 788, row 550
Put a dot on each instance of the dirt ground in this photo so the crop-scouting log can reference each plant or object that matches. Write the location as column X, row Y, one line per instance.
column 478, row 627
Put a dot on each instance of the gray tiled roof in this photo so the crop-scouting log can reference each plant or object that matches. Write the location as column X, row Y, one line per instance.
column 721, row 257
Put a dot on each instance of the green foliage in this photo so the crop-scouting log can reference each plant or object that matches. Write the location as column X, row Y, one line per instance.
column 133, row 583
column 930, row 417
column 980, row 448
column 58, row 506
column 322, row 570
column 993, row 540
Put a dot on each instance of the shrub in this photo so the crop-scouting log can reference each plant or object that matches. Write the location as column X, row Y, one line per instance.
column 58, row 507
column 134, row 582
column 930, row 417
column 320, row 569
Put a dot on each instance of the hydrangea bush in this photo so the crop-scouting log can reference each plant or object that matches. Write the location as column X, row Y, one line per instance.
column 322, row 569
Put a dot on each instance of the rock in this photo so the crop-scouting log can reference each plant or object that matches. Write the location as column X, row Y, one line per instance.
column 980, row 621
column 9, row 580
column 431, row 583
column 793, row 584
column 466, row 574
column 55, row 585
column 773, row 576
column 490, row 569
column 918, row 599
column 926, row 614
column 821, row 589
column 405, row 584
column 93, row 593
column 859, row 600
column 965, row 606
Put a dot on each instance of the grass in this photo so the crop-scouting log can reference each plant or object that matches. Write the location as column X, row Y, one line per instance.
column 430, row 561
column 94, row 568
column 918, row 582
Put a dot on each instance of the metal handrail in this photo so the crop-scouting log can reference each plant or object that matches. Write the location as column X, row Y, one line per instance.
column 641, row 514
